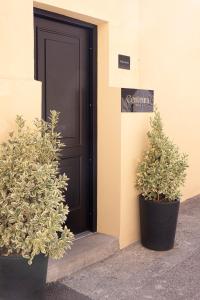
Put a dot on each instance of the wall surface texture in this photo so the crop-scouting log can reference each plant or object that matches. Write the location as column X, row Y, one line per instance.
column 170, row 63
column 162, row 39
column 19, row 93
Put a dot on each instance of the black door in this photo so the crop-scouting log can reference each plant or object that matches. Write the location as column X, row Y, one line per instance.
column 62, row 62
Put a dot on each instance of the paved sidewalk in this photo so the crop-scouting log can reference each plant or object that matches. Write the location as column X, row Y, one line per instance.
column 140, row 274
column 59, row 291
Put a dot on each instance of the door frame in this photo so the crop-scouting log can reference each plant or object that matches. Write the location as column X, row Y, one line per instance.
column 92, row 29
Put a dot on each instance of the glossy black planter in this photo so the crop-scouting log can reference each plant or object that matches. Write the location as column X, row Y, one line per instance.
column 158, row 222
column 19, row 281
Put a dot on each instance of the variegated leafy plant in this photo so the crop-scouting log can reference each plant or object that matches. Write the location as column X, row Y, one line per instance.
column 162, row 170
column 32, row 205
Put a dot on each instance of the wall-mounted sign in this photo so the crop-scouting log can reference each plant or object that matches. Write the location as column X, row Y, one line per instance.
column 134, row 100
column 124, row 62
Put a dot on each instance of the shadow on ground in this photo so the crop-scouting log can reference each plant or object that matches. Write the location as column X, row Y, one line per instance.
column 59, row 291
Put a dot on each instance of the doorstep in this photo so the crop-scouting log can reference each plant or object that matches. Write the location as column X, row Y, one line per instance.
column 86, row 250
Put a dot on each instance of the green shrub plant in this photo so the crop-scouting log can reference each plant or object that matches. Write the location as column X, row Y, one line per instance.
column 32, row 205
column 162, row 170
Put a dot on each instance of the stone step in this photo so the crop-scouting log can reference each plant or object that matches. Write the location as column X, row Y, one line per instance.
column 85, row 251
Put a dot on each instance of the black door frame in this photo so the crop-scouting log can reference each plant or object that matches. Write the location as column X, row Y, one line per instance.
column 93, row 101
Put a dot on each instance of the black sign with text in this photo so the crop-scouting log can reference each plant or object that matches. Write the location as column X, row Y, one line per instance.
column 124, row 62
column 136, row 100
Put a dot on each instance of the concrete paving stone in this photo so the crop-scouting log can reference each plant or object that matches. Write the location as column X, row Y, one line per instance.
column 58, row 291
column 139, row 273
column 181, row 282
column 191, row 207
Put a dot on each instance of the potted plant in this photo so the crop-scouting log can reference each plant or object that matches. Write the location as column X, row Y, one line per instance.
column 32, row 207
column 160, row 175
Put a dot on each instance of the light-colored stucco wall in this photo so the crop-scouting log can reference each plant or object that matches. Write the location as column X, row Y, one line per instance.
column 19, row 93
column 162, row 39
column 170, row 64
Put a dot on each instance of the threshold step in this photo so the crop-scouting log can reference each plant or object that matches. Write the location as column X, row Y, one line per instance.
column 85, row 251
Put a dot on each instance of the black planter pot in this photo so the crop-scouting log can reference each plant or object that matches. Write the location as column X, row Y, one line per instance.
column 158, row 222
column 19, row 281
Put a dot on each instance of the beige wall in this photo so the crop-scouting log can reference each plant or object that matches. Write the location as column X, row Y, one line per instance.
column 170, row 64
column 19, row 93
column 162, row 39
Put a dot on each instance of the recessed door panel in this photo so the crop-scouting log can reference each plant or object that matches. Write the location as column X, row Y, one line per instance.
column 62, row 62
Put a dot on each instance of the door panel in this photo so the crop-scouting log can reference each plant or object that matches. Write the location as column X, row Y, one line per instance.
column 62, row 62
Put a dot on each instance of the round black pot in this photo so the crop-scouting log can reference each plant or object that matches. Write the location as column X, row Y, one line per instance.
column 158, row 222
column 20, row 281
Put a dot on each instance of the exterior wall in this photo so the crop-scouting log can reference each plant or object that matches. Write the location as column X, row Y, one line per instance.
column 164, row 50
column 170, row 63
column 19, row 93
